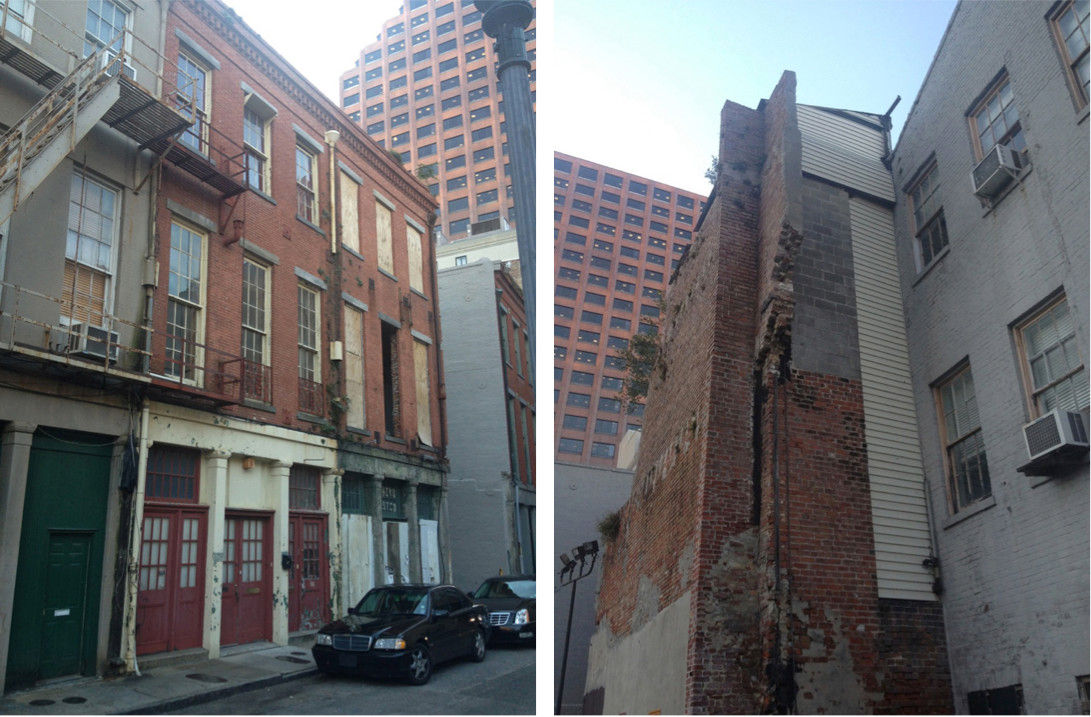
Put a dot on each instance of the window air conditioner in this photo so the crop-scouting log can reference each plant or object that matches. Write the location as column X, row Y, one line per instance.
column 92, row 341
column 111, row 62
column 1054, row 432
column 994, row 172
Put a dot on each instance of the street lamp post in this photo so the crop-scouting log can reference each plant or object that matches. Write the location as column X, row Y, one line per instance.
column 506, row 21
column 571, row 573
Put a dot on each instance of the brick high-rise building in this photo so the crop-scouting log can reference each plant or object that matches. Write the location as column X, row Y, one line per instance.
column 427, row 88
column 617, row 238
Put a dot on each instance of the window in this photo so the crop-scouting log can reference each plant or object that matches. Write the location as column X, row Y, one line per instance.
column 255, row 329
column 474, row 55
column 685, row 202
column 193, row 98
column 185, row 305
column 384, row 238
column 651, row 275
column 623, row 268
column 579, row 400
column 478, row 93
column 581, row 206
column 561, row 332
column 456, row 182
column 445, row 28
column 461, row 260
column 564, row 312
column 310, row 368
column 20, row 14
column 373, row 128
column 995, row 120
column 173, row 474
column 453, row 143
column 304, row 484
column 570, row 445
column 306, row 185
column 634, row 204
column 576, row 423
column 106, row 20
column 445, row 9
column 425, row 111
column 428, row 130
column 588, row 337
column 480, row 134
column 998, row 701
column 612, row 383
column 928, row 220
column 255, row 136
column 661, row 194
column 372, row 74
column 617, row 342
column 427, row 150
column 486, row 197
column 1051, row 360
column 392, row 411
column 602, row 450
column 559, row 352
column 423, row 92
column 450, row 102
column 89, row 251
column 597, row 280
column 622, row 305
column 960, row 432
column 458, row 205
column 616, row 322
column 660, row 212
column 348, row 101
column 562, row 165
column 1070, row 26
column 422, row 73
column 482, row 113
column 452, row 122
column 449, row 64
column 354, row 367
column 606, row 427
column 638, row 188
column 415, row 250
column 586, row 357
column 599, row 262
column 582, row 378
column 420, row 37
column 609, row 405
column 398, row 82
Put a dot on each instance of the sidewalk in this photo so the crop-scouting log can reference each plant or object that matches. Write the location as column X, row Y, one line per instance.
column 170, row 686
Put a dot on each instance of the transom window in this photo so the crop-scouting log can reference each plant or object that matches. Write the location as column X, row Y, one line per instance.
column 1052, row 360
column 172, row 474
column 996, row 120
column 304, row 484
column 960, row 428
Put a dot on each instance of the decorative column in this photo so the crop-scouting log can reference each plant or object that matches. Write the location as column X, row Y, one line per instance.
column 378, row 555
column 15, row 443
column 281, row 525
column 216, row 490
column 331, row 478
column 414, row 529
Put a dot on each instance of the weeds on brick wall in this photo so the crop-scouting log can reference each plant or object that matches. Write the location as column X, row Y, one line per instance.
column 610, row 526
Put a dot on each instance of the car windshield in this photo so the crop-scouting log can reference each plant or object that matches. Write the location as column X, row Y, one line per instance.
column 506, row 589
column 394, row 601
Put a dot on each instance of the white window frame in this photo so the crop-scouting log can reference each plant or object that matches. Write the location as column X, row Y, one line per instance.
column 1033, row 394
column 204, row 112
column 943, row 389
column 197, row 377
column 93, row 43
column 21, row 23
column 265, row 308
column 263, row 114
column 306, row 193
column 314, row 348
column 111, row 270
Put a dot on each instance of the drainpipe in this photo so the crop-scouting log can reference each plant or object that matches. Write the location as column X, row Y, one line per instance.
column 133, row 566
column 332, row 136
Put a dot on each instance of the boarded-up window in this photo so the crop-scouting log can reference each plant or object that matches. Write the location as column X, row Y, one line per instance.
column 424, row 404
column 350, row 213
column 354, row 366
column 384, row 244
column 416, row 261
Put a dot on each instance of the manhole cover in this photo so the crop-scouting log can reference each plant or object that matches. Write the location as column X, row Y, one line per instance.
column 205, row 678
column 74, row 700
column 40, row 703
column 288, row 658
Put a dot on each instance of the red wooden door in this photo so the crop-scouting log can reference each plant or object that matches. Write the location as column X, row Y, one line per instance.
column 170, row 598
column 247, row 600
column 308, row 585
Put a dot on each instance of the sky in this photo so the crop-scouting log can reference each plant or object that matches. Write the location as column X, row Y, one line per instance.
column 638, row 84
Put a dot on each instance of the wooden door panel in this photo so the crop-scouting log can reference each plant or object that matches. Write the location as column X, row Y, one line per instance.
column 153, row 596
column 65, row 604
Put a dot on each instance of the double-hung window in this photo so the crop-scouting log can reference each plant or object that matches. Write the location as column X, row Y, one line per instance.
column 306, row 182
column 20, row 18
column 107, row 22
column 255, row 135
column 928, row 221
column 255, row 329
column 185, row 304
column 310, row 360
column 193, row 100
column 89, row 251
column 995, row 120
column 1070, row 27
column 1051, row 360
column 960, row 429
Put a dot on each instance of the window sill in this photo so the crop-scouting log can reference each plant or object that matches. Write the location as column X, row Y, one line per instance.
column 317, row 228
column 935, row 260
column 360, row 431
column 355, row 253
column 979, row 507
column 259, row 405
column 263, row 195
column 386, row 273
column 310, row 418
column 395, row 439
column 421, row 294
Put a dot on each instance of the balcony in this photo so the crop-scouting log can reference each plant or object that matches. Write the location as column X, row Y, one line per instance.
column 183, row 368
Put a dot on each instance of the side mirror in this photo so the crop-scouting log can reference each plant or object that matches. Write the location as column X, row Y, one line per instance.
column 470, row 595
column 440, row 612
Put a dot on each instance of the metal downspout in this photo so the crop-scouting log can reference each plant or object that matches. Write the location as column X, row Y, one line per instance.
column 133, row 566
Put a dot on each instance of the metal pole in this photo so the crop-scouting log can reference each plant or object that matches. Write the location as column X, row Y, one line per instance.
column 564, row 658
column 506, row 20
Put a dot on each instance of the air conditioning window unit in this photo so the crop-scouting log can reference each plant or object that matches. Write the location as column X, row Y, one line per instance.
column 113, row 63
column 1000, row 165
column 92, row 342
column 1055, row 432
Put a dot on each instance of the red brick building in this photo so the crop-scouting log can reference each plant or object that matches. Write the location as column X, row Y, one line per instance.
column 774, row 553
column 617, row 239
column 427, row 89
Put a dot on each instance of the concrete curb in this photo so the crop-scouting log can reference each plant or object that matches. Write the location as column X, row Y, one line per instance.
column 215, row 694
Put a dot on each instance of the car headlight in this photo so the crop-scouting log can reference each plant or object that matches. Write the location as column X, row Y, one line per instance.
column 323, row 639
column 522, row 617
column 389, row 643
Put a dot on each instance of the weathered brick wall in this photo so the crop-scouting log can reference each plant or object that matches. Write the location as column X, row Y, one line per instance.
column 272, row 225
column 913, row 658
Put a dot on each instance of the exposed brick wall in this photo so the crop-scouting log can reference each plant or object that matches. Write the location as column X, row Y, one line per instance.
column 274, row 227
column 913, row 657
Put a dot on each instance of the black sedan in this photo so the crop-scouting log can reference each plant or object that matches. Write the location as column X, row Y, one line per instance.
column 510, row 602
column 403, row 631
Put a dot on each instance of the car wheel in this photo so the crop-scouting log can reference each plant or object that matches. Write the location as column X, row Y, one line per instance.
column 420, row 665
column 477, row 646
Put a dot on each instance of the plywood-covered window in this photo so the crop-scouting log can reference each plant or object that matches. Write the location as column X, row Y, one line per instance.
column 350, row 212
column 383, row 238
column 354, row 367
column 416, row 258
column 93, row 210
column 424, row 403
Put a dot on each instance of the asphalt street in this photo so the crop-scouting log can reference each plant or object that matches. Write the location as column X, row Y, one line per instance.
column 502, row 684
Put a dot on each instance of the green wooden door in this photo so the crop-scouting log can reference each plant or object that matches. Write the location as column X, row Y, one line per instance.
column 60, row 557
column 64, row 609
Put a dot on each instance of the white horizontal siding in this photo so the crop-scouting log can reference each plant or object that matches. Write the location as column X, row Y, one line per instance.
column 899, row 514
column 844, row 151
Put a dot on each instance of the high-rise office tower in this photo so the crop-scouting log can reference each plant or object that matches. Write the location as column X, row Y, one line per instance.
column 427, row 89
column 617, row 238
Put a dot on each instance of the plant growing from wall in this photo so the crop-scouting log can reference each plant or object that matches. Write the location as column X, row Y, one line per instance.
column 640, row 357
column 713, row 170
column 609, row 526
